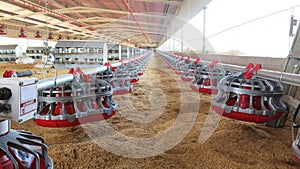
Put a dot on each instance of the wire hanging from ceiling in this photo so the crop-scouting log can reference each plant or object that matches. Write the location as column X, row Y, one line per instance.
column 47, row 52
column 46, row 20
column 128, row 26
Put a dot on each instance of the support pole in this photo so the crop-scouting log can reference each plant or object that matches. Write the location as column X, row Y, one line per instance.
column 204, row 29
column 132, row 52
column 182, row 39
column 174, row 44
column 128, row 51
column 120, row 52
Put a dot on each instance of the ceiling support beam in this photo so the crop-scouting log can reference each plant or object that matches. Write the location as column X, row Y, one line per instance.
column 161, row 2
column 91, row 10
column 112, row 20
column 137, row 23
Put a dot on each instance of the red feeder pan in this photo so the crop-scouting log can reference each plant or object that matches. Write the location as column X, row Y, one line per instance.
column 20, row 149
column 203, row 90
column 118, row 78
column 77, row 121
column 121, row 92
column 66, row 114
column 70, row 105
column 206, row 78
column 134, row 80
column 244, row 97
column 296, row 141
column 186, row 79
column 140, row 73
column 189, row 73
column 182, row 65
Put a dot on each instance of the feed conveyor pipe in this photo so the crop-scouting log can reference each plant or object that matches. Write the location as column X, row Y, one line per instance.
column 286, row 78
column 59, row 80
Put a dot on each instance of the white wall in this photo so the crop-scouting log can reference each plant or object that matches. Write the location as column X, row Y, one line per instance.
column 23, row 43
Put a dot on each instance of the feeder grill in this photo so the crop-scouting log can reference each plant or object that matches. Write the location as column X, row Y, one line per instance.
column 206, row 78
column 249, row 99
column 84, row 100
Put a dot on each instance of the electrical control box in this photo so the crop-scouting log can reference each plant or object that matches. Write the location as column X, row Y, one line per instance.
column 23, row 100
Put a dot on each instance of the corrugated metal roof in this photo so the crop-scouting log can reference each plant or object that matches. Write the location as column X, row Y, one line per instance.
column 35, row 48
column 8, row 47
column 132, row 23
column 79, row 43
column 112, row 46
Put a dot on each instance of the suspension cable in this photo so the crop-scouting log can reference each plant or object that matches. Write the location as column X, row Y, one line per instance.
column 253, row 20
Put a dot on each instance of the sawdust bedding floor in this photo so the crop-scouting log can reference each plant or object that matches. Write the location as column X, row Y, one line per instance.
column 234, row 144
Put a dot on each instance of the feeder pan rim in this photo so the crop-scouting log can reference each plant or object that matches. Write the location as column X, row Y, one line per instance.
column 75, row 115
column 247, row 110
column 251, row 92
column 295, row 147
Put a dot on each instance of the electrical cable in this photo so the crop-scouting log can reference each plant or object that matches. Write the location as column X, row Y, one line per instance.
column 253, row 20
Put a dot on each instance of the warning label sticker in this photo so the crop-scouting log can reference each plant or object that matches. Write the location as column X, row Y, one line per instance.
column 27, row 107
column 28, row 102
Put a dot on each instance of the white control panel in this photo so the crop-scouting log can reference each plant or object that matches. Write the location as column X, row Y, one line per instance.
column 23, row 102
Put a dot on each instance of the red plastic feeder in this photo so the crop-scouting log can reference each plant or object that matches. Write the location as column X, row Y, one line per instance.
column 189, row 72
column 245, row 97
column 76, row 103
column 121, row 92
column 140, row 73
column 174, row 61
column 133, row 72
column 206, row 78
column 182, row 65
column 56, row 122
column 296, row 140
column 118, row 78
column 22, row 150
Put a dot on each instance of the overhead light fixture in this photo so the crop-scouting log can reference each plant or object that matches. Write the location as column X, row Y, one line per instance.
column 2, row 30
column 50, row 37
column 38, row 34
column 59, row 37
column 22, row 33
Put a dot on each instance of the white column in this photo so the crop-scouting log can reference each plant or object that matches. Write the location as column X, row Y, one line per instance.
column 104, row 53
column 120, row 52
column 128, row 51
column 132, row 52
column 182, row 39
column 204, row 27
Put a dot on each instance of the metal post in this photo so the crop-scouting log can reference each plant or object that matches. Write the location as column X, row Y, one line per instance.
column 132, row 52
column 286, row 78
column 128, row 52
column 120, row 52
column 59, row 80
column 204, row 29
column 169, row 42
column 296, row 69
column 174, row 45
column 182, row 39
